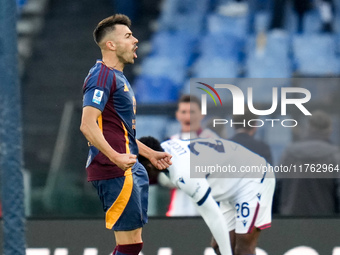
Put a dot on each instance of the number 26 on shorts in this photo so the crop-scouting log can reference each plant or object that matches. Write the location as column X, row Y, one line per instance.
column 242, row 209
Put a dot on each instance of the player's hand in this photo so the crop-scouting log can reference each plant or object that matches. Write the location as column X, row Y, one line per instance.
column 214, row 245
column 161, row 160
column 125, row 161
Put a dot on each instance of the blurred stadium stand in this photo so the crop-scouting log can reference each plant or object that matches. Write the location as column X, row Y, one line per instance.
column 268, row 57
column 315, row 55
column 29, row 25
column 221, row 43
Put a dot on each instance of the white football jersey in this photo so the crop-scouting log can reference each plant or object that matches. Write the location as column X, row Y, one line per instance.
column 180, row 204
column 227, row 166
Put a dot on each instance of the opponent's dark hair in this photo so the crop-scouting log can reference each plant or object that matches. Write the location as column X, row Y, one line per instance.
column 108, row 25
column 189, row 99
column 152, row 143
column 320, row 123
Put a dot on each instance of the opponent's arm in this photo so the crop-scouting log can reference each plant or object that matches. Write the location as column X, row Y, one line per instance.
column 94, row 135
column 214, row 219
column 161, row 160
column 209, row 211
column 165, row 181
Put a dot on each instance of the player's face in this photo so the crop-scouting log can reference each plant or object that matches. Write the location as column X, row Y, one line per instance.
column 126, row 44
column 189, row 115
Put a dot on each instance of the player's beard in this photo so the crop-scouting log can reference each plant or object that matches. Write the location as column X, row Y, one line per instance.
column 125, row 56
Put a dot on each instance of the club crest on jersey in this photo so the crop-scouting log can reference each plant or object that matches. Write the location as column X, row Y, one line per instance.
column 126, row 89
column 97, row 96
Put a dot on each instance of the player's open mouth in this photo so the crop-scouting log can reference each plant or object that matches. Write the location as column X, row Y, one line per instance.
column 134, row 52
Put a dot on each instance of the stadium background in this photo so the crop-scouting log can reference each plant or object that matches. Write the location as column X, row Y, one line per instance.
column 177, row 40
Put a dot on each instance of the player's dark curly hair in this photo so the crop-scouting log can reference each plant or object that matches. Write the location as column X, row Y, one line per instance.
column 152, row 143
column 108, row 25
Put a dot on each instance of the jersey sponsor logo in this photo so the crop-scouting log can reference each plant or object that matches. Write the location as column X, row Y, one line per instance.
column 234, row 147
column 126, row 89
column 97, row 96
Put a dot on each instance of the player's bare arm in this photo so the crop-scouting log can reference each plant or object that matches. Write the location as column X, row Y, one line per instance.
column 94, row 135
column 161, row 160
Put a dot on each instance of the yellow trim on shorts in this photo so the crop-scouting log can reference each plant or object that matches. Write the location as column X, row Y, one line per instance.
column 118, row 207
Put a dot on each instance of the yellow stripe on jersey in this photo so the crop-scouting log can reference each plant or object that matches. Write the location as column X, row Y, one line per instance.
column 100, row 122
column 126, row 139
column 117, row 208
column 126, row 89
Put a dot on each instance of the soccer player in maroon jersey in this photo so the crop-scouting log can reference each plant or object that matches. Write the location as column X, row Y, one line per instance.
column 108, row 123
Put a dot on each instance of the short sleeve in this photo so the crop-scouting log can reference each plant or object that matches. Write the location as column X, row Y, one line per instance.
column 196, row 188
column 97, row 94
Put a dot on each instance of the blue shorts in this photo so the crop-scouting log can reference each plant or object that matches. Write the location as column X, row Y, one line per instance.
column 125, row 199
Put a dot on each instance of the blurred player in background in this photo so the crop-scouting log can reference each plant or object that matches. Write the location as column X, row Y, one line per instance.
column 311, row 196
column 245, row 197
column 189, row 116
column 108, row 123
column 244, row 135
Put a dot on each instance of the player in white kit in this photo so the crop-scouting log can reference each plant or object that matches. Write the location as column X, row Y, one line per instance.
column 234, row 176
column 189, row 116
